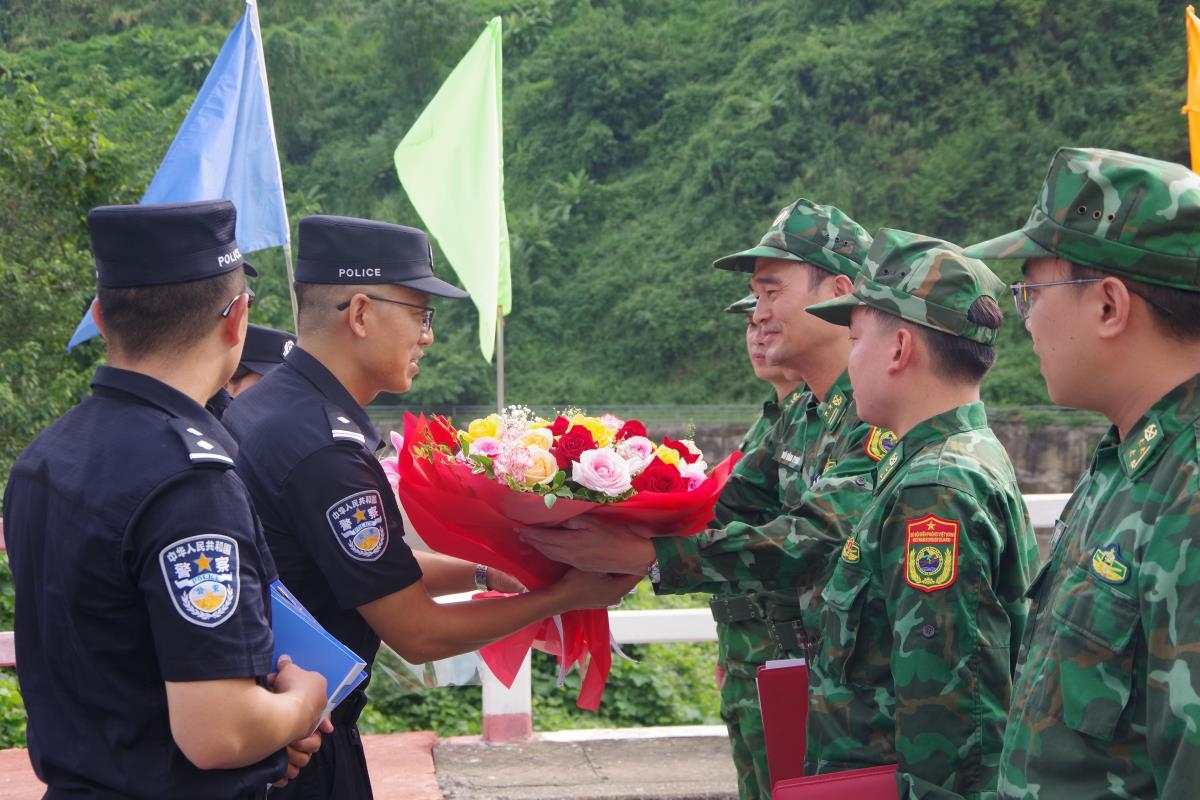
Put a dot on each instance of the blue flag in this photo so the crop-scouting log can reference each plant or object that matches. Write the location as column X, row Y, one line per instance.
column 225, row 150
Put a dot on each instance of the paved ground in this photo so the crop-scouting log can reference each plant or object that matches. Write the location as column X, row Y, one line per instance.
column 656, row 763
column 663, row 764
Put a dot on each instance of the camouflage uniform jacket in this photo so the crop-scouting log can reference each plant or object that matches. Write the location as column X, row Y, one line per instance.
column 1105, row 702
column 923, row 614
column 792, row 553
column 762, row 426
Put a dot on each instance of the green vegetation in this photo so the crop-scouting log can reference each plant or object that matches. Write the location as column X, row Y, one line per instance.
column 661, row 685
column 643, row 139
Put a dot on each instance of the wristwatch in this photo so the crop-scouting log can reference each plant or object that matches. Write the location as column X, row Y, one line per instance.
column 481, row 578
column 654, row 573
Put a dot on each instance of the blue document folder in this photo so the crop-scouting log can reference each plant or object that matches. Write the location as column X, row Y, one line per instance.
column 310, row 646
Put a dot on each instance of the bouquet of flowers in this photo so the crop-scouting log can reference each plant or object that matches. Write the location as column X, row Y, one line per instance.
column 467, row 491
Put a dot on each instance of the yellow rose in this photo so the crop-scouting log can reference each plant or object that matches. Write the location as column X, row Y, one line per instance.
column 668, row 455
column 488, row 426
column 543, row 468
column 538, row 437
column 601, row 434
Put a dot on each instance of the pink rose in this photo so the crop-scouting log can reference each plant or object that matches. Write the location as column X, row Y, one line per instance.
column 602, row 471
column 485, row 446
column 638, row 451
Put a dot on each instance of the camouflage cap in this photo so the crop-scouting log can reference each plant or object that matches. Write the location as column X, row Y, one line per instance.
column 805, row 231
column 1115, row 212
column 744, row 306
column 920, row 279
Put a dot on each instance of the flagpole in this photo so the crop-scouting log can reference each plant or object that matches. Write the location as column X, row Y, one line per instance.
column 291, row 282
column 499, row 359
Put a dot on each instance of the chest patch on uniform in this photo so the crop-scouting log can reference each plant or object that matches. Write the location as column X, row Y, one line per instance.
column 880, row 442
column 360, row 525
column 202, row 577
column 930, row 553
column 850, row 551
column 1108, row 566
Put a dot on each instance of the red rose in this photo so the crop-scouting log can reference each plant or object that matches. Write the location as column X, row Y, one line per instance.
column 631, row 428
column 571, row 444
column 659, row 476
column 684, row 451
column 559, row 426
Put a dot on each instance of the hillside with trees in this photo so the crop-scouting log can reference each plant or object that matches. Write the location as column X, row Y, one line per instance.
column 642, row 141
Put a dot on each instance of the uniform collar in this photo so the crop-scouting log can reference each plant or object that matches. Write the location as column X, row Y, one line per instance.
column 971, row 416
column 152, row 392
column 837, row 400
column 315, row 373
column 1148, row 439
column 797, row 395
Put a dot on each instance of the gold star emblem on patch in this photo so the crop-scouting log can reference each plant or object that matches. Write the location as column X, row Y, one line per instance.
column 203, row 563
column 360, row 515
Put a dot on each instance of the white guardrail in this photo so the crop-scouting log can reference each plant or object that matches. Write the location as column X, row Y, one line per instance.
column 507, row 712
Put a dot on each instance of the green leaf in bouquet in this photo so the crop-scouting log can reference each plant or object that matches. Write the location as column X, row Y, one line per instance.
column 550, row 500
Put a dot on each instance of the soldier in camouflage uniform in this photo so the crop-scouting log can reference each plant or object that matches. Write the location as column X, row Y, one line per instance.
column 1107, row 696
column 924, row 611
column 781, row 381
column 790, row 502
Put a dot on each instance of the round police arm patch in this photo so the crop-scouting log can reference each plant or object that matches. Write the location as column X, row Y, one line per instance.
column 359, row 523
column 202, row 577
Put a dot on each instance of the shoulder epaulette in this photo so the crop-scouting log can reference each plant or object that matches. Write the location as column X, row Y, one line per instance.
column 202, row 448
column 1140, row 444
column 833, row 409
column 341, row 427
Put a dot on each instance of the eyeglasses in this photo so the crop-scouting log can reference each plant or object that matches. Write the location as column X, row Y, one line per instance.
column 1023, row 298
column 426, row 315
column 249, row 301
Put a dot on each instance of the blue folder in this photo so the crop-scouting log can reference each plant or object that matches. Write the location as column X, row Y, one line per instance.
column 310, row 646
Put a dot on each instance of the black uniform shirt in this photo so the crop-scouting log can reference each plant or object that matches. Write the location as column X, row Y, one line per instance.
column 136, row 559
column 306, row 450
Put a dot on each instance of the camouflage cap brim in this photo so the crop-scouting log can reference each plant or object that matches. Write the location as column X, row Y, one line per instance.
column 744, row 261
column 744, row 306
column 836, row 310
column 1015, row 245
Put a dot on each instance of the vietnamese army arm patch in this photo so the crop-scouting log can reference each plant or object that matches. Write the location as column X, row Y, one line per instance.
column 202, row 577
column 880, row 442
column 930, row 553
column 360, row 525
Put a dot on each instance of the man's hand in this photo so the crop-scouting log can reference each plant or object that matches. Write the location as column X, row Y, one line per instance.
column 503, row 582
column 593, row 589
column 301, row 751
column 588, row 545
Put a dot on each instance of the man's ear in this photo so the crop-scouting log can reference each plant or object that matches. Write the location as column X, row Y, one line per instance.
column 842, row 285
column 1115, row 307
column 357, row 315
column 233, row 326
column 98, row 317
column 903, row 348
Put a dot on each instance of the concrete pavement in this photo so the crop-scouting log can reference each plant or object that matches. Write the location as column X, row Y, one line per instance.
column 684, row 763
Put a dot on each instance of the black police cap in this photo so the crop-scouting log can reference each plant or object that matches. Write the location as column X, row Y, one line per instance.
column 159, row 244
column 365, row 252
column 265, row 348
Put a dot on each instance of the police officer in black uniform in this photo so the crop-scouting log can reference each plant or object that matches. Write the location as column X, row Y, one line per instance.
column 140, row 569
column 307, row 453
column 264, row 350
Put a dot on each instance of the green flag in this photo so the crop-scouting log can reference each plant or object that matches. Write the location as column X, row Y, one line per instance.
column 451, row 163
